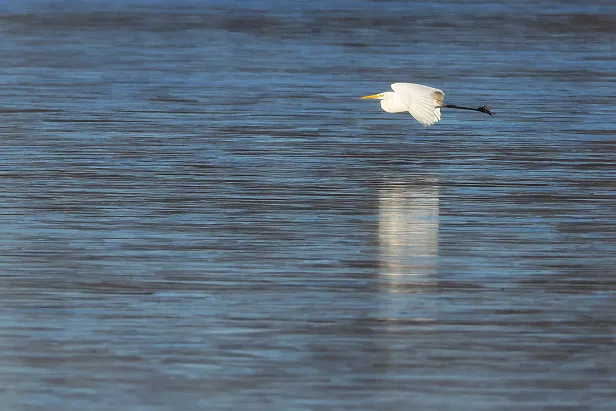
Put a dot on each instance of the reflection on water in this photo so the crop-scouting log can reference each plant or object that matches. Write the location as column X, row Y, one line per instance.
column 408, row 232
column 408, row 221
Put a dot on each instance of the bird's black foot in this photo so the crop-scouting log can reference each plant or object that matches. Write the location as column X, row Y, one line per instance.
column 484, row 109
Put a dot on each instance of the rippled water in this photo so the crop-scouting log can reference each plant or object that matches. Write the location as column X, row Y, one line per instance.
column 199, row 213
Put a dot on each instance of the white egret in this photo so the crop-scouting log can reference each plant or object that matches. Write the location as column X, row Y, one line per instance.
column 422, row 102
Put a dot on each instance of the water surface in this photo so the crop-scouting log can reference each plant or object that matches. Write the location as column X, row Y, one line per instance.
column 199, row 213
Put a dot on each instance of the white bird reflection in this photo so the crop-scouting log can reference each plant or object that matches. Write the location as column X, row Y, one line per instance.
column 408, row 234
column 408, row 250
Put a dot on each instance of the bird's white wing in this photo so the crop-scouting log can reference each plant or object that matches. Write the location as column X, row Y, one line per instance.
column 421, row 101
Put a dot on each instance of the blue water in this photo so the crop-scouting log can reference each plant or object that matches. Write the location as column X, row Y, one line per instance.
column 198, row 211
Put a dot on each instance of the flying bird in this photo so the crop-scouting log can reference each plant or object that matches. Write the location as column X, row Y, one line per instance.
column 422, row 102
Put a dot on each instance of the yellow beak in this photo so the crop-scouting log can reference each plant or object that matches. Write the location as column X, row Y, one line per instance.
column 370, row 96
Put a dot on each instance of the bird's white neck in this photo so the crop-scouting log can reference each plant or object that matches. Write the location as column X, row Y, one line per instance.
column 392, row 104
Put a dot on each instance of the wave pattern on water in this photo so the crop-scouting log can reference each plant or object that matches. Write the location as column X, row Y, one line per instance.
column 200, row 213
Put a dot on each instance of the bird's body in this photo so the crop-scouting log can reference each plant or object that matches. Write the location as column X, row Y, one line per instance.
column 422, row 102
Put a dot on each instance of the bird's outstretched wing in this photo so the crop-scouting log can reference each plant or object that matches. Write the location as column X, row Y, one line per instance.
column 421, row 101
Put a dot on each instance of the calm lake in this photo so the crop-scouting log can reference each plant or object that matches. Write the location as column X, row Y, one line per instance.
column 199, row 213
